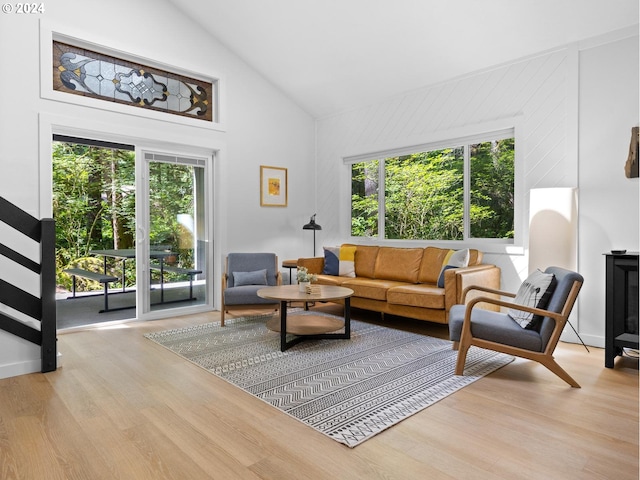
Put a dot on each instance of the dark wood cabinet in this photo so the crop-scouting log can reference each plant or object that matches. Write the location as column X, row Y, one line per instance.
column 621, row 305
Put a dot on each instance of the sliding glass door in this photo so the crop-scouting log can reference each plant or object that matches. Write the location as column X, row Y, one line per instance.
column 173, row 230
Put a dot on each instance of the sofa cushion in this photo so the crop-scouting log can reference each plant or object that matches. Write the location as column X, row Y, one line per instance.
column 431, row 264
column 494, row 326
column 457, row 258
column 417, row 295
column 365, row 260
column 370, row 288
column 434, row 258
column 257, row 277
column 453, row 259
column 399, row 264
column 441, row 277
column 245, row 295
column 475, row 257
column 535, row 291
column 339, row 261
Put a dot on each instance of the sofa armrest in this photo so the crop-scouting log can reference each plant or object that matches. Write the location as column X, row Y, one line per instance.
column 313, row 265
column 456, row 280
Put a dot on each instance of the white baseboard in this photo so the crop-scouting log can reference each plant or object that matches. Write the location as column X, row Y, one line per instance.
column 569, row 336
column 20, row 368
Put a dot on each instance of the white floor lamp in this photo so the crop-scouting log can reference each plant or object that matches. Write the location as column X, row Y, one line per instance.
column 553, row 230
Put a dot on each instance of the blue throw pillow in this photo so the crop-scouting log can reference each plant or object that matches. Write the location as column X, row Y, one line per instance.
column 331, row 261
column 441, row 277
column 259, row 277
column 453, row 259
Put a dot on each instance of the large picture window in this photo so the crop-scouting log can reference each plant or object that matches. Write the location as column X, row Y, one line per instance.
column 446, row 192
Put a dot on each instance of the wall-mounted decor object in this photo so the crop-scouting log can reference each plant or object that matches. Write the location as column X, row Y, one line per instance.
column 631, row 167
column 80, row 71
column 273, row 186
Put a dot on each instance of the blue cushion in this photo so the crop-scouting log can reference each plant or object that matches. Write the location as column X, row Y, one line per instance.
column 245, row 295
column 493, row 326
column 258, row 277
column 251, row 262
column 453, row 259
column 441, row 277
column 331, row 261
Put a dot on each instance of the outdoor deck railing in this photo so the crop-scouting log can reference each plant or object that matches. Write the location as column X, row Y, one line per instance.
column 43, row 308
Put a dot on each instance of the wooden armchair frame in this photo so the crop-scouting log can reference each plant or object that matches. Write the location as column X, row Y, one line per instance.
column 545, row 357
column 248, row 306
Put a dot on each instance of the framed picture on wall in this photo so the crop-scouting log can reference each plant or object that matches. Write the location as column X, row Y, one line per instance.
column 273, row 186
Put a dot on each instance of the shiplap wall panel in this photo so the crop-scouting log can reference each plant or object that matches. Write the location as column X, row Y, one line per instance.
column 535, row 89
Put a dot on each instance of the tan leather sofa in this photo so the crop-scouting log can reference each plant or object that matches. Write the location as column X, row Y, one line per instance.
column 403, row 281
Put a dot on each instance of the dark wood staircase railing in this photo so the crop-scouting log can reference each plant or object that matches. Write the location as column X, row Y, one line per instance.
column 42, row 309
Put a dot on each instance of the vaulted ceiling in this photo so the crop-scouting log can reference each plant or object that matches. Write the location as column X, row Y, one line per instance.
column 330, row 55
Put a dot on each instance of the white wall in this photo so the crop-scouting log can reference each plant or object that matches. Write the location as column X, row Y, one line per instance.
column 263, row 127
column 609, row 202
column 563, row 101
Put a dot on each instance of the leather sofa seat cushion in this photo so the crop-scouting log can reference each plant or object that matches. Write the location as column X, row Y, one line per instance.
column 370, row 288
column 399, row 264
column 420, row 295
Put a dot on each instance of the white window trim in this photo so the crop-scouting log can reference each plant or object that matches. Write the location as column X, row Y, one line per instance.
column 503, row 128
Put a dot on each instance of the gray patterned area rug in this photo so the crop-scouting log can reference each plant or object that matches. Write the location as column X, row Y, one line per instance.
column 349, row 390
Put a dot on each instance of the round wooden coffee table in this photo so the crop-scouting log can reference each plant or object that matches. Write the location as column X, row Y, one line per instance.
column 308, row 326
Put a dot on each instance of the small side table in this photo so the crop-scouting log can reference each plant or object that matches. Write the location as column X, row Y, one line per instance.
column 290, row 264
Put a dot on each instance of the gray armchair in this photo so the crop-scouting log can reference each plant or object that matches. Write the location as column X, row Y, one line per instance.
column 498, row 331
column 245, row 274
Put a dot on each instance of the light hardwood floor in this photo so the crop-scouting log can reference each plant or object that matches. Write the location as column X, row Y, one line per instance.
column 122, row 407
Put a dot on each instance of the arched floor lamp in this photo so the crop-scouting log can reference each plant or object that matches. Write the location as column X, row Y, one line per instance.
column 312, row 225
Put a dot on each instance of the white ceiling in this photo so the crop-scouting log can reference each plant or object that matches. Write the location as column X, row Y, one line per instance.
column 329, row 55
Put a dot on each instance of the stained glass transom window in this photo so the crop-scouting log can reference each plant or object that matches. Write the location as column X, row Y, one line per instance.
column 87, row 73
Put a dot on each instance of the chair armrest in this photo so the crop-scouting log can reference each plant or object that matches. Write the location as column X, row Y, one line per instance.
column 516, row 306
column 313, row 265
column 481, row 288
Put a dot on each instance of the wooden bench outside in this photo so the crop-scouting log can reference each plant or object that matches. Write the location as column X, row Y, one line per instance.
column 98, row 277
column 191, row 272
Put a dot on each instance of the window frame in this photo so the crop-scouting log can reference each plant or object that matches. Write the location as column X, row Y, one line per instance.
column 508, row 128
column 52, row 30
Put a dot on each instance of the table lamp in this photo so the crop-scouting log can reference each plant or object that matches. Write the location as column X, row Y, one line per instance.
column 312, row 225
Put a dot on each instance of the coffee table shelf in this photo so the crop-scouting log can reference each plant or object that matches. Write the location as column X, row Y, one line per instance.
column 308, row 326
